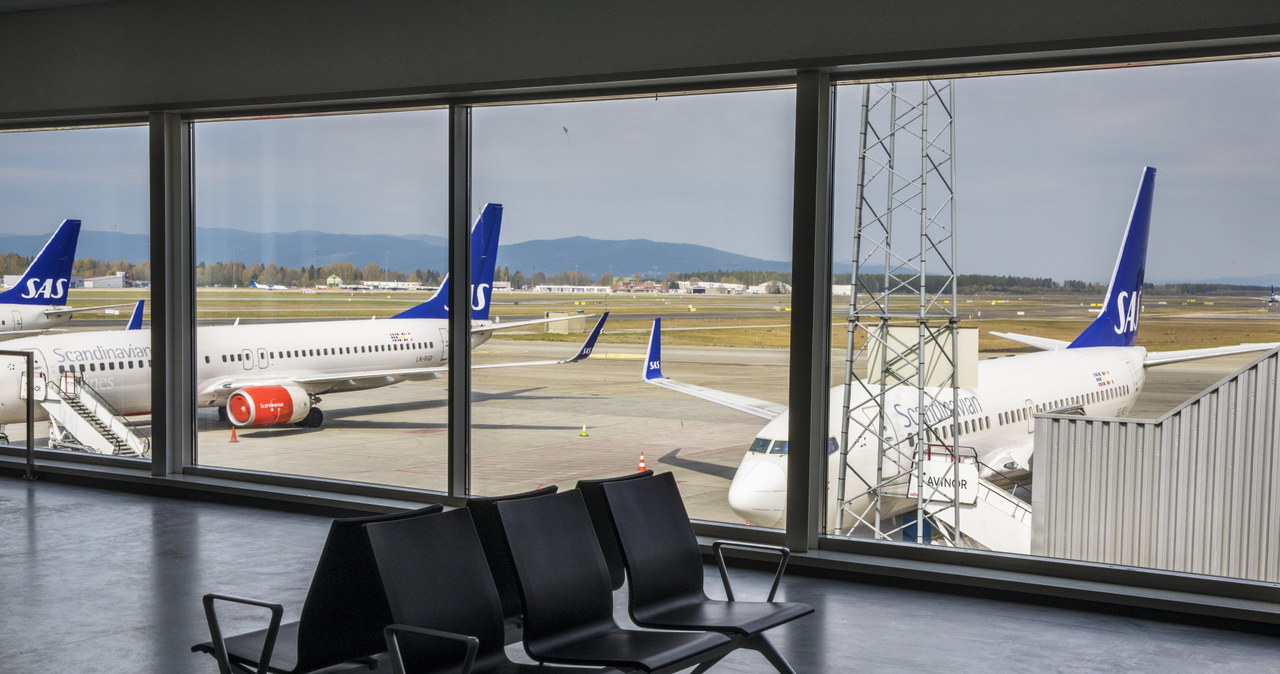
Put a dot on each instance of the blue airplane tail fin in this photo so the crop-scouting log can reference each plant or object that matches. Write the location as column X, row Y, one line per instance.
column 47, row 279
column 1117, row 324
column 484, row 261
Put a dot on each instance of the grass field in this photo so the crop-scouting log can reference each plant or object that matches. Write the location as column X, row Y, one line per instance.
column 757, row 321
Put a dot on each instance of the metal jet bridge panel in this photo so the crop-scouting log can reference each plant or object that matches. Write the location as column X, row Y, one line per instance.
column 1196, row 490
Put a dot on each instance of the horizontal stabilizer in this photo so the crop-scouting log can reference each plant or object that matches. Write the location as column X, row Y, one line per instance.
column 1043, row 343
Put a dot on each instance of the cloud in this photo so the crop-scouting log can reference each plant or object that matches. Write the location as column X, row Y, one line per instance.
column 1047, row 168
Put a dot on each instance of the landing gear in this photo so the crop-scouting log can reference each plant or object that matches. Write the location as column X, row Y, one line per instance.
column 222, row 414
column 314, row 418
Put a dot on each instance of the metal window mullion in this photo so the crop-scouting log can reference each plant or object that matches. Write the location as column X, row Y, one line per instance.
column 173, row 348
column 811, row 308
column 459, row 394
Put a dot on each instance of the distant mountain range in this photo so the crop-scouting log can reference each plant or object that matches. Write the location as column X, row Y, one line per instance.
column 404, row 253
column 593, row 257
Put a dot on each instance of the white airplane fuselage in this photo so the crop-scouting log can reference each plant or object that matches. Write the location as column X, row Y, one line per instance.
column 117, row 364
column 996, row 421
column 29, row 317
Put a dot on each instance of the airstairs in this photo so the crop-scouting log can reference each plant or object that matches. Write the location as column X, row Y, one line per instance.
column 80, row 420
column 994, row 520
column 964, row 502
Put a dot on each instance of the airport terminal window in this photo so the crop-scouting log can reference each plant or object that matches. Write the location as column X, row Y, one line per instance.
column 1009, row 199
column 306, row 227
column 620, row 186
column 97, row 177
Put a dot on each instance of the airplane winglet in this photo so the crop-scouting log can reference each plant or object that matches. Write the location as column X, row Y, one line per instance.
column 135, row 320
column 590, row 344
column 653, row 359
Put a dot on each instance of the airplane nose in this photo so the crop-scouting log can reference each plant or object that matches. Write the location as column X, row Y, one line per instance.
column 758, row 492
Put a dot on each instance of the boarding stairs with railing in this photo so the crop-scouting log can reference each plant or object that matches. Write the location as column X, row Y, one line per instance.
column 991, row 512
column 80, row 420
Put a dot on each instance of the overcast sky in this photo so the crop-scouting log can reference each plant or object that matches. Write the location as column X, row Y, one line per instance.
column 1048, row 166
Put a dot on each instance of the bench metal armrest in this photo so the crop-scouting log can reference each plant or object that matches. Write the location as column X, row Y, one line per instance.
column 784, row 552
column 220, row 645
column 397, row 660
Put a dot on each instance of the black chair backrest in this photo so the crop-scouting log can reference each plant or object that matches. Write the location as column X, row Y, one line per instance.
column 484, row 512
column 345, row 609
column 593, row 494
column 434, row 571
column 658, row 544
column 561, row 573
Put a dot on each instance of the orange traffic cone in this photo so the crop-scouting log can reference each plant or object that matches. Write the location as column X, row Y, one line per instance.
column 641, row 467
column 233, row 434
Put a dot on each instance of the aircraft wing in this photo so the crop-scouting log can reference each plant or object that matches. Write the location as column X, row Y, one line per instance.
column 653, row 375
column 1043, row 343
column 18, row 333
column 71, row 310
column 324, row 383
column 1166, row 357
column 491, row 327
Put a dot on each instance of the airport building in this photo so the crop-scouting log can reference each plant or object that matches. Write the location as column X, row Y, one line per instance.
column 211, row 450
column 574, row 290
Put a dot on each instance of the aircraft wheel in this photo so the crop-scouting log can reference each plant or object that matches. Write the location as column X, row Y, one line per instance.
column 222, row 413
column 314, row 418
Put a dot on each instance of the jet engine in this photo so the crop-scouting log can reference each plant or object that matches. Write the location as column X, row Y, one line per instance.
column 268, row 405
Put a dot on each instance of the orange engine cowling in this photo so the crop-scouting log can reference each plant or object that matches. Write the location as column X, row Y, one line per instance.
column 268, row 405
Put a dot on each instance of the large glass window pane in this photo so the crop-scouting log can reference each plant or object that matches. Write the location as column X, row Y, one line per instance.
column 676, row 208
column 307, row 228
column 74, row 236
column 1050, row 180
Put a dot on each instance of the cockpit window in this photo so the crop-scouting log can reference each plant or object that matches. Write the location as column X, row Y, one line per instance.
column 779, row 447
column 760, row 445
column 833, row 446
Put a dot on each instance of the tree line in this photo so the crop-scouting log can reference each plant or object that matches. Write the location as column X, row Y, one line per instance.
column 228, row 274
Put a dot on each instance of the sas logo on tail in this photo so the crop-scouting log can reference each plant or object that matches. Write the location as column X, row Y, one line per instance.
column 52, row 289
column 478, row 297
column 1128, row 307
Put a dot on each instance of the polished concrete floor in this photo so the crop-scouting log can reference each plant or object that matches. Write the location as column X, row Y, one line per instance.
column 103, row 581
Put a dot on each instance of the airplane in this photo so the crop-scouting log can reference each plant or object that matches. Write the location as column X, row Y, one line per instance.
column 1101, row 372
column 272, row 374
column 38, row 301
column 253, row 283
column 1270, row 300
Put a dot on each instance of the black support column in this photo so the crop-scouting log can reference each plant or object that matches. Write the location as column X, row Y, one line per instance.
column 810, row 308
column 173, row 353
column 459, row 300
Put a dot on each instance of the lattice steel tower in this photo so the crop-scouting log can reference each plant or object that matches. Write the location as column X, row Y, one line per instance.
column 902, row 322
